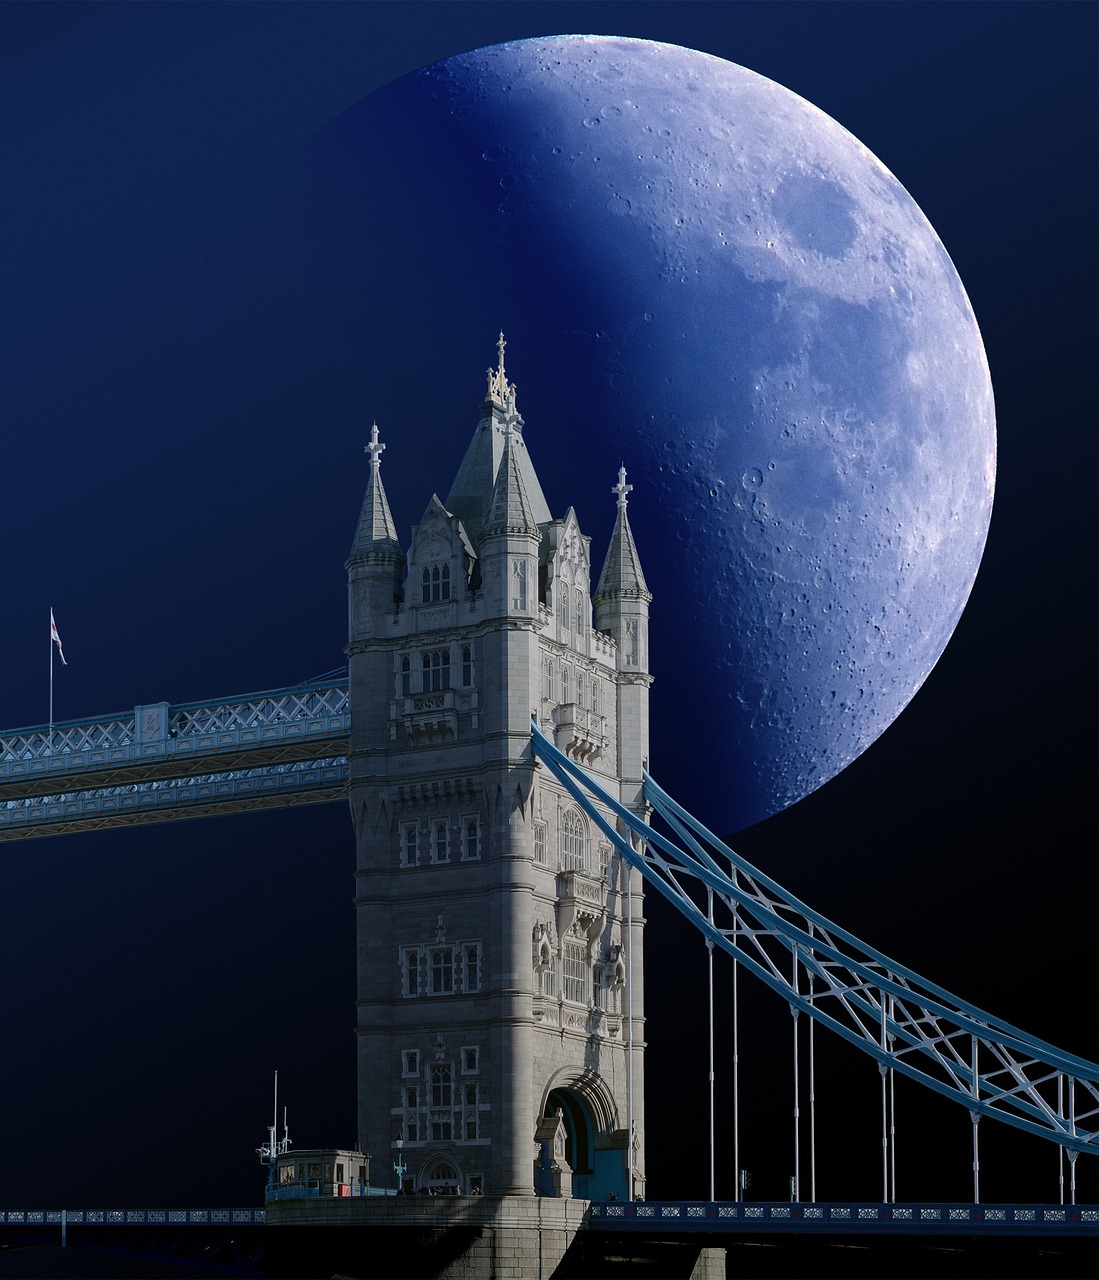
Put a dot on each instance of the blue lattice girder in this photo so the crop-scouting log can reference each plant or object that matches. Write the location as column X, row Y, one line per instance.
column 889, row 1012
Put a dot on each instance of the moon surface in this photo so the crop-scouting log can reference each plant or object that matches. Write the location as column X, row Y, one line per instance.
column 705, row 277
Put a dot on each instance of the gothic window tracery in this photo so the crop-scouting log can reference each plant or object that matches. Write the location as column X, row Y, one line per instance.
column 572, row 841
column 519, row 583
column 467, row 665
column 436, row 582
column 442, row 971
column 410, row 852
column 471, row 966
column 471, row 838
column 576, row 973
column 440, row 841
column 442, row 1101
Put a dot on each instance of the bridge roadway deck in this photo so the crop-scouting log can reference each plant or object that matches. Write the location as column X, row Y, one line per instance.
column 667, row 1218
column 263, row 750
column 672, row 1218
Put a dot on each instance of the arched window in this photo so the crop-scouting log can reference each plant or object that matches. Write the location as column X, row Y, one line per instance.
column 572, row 842
column 563, row 606
column 577, row 973
column 436, row 582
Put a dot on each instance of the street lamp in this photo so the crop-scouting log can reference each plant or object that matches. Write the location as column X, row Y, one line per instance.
column 400, row 1168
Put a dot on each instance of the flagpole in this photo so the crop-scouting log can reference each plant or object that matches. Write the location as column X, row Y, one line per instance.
column 51, row 678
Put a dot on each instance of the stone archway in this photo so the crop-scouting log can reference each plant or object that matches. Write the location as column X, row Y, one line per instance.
column 595, row 1145
column 440, row 1177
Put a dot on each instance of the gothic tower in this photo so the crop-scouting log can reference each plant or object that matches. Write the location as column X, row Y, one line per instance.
column 500, row 998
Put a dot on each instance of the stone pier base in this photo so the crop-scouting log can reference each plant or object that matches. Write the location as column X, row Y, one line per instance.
column 451, row 1237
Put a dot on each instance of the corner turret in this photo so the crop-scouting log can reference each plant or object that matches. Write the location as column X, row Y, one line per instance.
column 622, row 601
column 375, row 567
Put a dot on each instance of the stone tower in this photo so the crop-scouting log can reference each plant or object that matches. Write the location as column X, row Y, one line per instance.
column 500, row 996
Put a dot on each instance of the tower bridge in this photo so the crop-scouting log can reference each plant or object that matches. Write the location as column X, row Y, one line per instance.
column 490, row 735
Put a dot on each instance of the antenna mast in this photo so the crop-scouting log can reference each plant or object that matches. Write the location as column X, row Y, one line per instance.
column 273, row 1148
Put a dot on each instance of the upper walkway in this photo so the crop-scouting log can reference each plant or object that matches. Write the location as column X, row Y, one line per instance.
column 255, row 751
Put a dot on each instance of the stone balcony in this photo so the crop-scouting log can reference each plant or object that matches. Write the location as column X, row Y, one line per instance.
column 579, row 733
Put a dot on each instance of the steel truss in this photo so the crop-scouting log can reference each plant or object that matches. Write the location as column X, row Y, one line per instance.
column 264, row 750
column 906, row 1023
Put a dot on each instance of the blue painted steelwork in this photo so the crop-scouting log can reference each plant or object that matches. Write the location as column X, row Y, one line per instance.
column 886, row 1010
column 667, row 1217
column 272, row 749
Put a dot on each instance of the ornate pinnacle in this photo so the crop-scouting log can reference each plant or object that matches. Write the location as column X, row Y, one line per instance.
column 500, row 391
column 622, row 488
column 374, row 449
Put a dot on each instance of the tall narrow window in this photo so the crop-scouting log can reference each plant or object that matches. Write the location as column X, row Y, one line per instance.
column 566, row 682
column 442, row 1084
column 440, row 841
column 595, row 696
column 572, row 842
column 442, row 971
column 577, row 973
column 551, row 690
column 540, row 842
column 410, row 1098
column 410, row 971
column 409, row 844
column 519, row 583
column 471, row 966
column 436, row 583
column 470, row 1110
column 578, row 598
column 406, row 675
column 632, row 643
column 563, row 606
column 471, row 838
column 442, row 1101
column 467, row 665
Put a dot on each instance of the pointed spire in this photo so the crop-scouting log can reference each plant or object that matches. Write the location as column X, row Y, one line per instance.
column 510, row 509
column 622, row 575
column 376, row 531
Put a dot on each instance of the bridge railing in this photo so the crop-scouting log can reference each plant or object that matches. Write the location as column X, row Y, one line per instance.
column 160, row 730
column 123, row 1217
column 670, row 1217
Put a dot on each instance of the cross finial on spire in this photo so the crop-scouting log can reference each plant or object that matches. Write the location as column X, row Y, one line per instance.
column 622, row 488
column 374, row 449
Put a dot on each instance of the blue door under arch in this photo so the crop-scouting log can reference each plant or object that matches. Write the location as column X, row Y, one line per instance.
column 598, row 1170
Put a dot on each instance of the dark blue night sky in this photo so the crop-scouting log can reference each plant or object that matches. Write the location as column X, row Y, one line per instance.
column 184, row 419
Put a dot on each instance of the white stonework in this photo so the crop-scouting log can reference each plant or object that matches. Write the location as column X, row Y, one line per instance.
column 497, row 973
